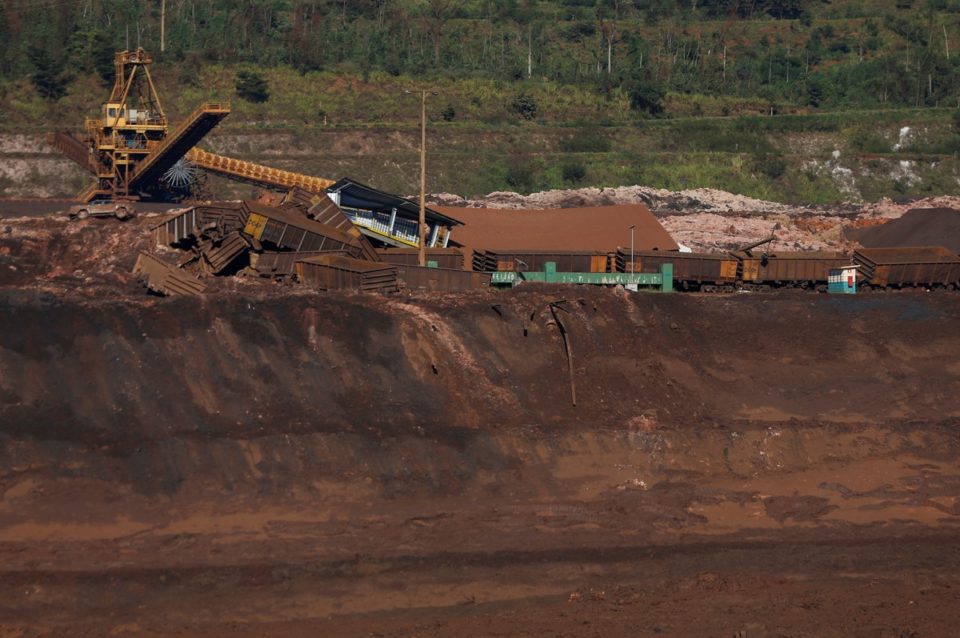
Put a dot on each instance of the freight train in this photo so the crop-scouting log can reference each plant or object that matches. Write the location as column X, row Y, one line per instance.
column 928, row 268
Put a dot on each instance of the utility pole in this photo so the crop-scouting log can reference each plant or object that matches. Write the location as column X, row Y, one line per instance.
column 632, row 260
column 423, row 178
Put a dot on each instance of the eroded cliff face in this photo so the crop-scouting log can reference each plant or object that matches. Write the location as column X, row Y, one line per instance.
column 327, row 461
column 155, row 395
column 230, row 364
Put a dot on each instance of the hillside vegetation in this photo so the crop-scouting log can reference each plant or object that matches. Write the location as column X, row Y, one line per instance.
column 755, row 97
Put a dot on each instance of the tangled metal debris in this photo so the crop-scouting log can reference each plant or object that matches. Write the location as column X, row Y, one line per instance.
column 306, row 238
column 164, row 279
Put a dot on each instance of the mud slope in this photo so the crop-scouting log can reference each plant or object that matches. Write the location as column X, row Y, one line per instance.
column 350, row 465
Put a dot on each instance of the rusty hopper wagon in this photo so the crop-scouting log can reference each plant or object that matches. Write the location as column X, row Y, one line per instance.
column 336, row 272
column 281, row 229
column 281, row 266
column 691, row 271
column 321, row 208
column 225, row 216
column 932, row 266
column 788, row 269
column 536, row 260
column 445, row 257
column 441, row 279
column 164, row 279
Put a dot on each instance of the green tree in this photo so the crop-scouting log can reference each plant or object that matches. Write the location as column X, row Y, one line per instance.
column 48, row 75
column 646, row 95
column 103, row 54
column 525, row 105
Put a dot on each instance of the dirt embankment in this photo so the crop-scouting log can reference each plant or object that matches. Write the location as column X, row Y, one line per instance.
column 341, row 465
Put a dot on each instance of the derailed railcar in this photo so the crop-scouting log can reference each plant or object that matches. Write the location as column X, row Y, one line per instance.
column 787, row 269
column 445, row 257
column 285, row 230
column 536, row 260
column 337, row 272
column 414, row 277
column 709, row 272
column 892, row 268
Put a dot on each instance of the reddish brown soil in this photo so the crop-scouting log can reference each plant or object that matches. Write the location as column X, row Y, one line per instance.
column 269, row 462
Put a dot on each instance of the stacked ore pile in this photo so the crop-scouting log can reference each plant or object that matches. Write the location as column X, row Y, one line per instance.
column 917, row 227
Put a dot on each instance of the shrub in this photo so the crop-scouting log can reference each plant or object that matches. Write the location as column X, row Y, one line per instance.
column 520, row 175
column 772, row 165
column 574, row 172
column 586, row 140
column 867, row 140
column 449, row 113
column 252, row 86
column 525, row 105
column 646, row 95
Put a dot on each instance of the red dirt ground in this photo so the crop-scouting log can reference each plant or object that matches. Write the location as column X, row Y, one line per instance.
column 268, row 461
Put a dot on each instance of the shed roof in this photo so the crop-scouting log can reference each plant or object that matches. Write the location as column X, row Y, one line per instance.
column 598, row 228
column 356, row 195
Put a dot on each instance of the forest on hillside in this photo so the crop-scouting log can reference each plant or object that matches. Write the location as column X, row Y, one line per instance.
column 811, row 53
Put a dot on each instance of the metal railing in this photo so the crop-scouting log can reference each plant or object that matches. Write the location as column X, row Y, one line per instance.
column 403, row 231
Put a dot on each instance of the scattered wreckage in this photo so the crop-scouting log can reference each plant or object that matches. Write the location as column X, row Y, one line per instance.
column 302, row 239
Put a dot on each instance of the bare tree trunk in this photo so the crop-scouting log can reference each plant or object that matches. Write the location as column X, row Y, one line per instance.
column 724, row 64
column 946, row 42
column 919, row 82
column 609, row 54
column 530, row 52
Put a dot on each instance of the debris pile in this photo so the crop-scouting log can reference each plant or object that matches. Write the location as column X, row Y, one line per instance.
column 301, row 237
column 258, row 239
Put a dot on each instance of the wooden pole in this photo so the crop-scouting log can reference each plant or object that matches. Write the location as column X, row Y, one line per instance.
column 423, row 178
